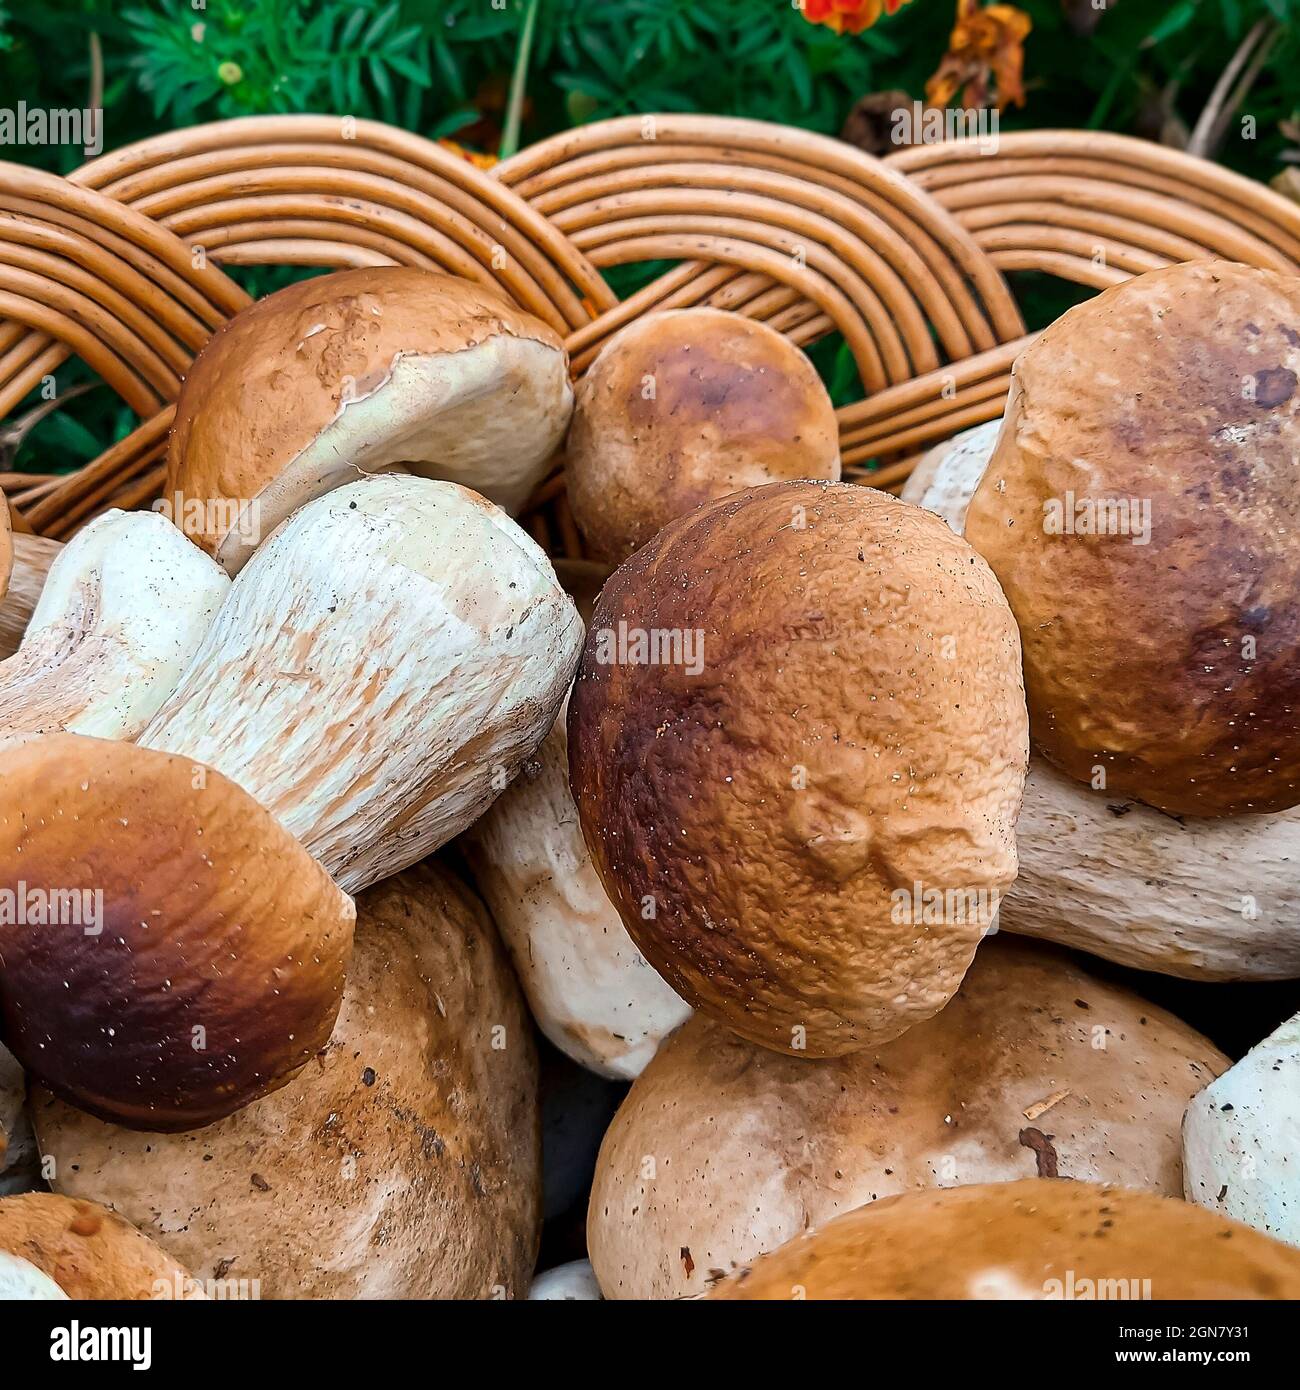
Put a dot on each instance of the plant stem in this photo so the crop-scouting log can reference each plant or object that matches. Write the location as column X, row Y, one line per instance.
column 519, row 84
column 1224, row 100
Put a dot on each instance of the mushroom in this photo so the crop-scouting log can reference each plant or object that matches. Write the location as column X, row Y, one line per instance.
column 87, row 1251
column 570, row 1283
column 20, row 1280
column 402, row 1162
column 1025, row 1240
column 946, row 478
column 379, row 672
column 591, row 991
column 32, row 558
column 1203, row 897
column 723, row 1150
column 684, row 406
column 1241, row 1139
column 1140, row 512
column 170, row 951
column 357, row 372
column 6, row 546
column 797, row 745
column 122, row 612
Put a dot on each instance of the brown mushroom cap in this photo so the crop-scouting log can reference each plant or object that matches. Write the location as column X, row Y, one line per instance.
column 213, row 967
column 848, row 726
column 89, row 1251
column 1173, row 665
column 361, row 371
column 1033, row 1068
column 402, row 1162
column 684, row 406
column 1026, row 1240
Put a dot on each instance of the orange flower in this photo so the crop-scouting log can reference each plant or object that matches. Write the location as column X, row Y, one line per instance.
column 987, row 41
column 851, row 16
column 479, row 161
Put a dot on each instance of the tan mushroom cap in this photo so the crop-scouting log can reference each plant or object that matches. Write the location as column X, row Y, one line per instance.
column 847, row 727
column 402, row 1162
column 1165, row 650
column 1033, row 1068
column 198, row 957
column 684, row 406
column 358, row 372
column 89, row 1251
column 1025, row 1240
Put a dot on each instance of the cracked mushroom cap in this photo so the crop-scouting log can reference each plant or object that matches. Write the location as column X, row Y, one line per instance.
column 1034, row 1068
column 684, row 406
column 799, row 712
column 87, row 1251
column 1141, row 512
column 402, row 1162
column 173, row 952
column 358, row 372
column 1033, row 1239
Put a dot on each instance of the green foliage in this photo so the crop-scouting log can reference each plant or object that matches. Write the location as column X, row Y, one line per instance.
column 441, row 68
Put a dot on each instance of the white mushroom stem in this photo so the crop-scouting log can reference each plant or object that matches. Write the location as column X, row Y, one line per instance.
column 1204, row 898
column 1241, row 1139
column 571, row 1283
column 594, row 995
column 382, row 668
column 121, row 614
column 946, row 478
column 20, row 1280
column 33, row 556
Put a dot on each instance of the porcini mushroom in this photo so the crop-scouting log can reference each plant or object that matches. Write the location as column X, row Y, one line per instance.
column 1025, row 1240
column 723, row 1150
column 88, row 1251
column 684, row 406
column 946, row 478
column 567, row 1283
column 798, row 718
column 1241, row 1139
column 359, row 372
column 403, row 1162
column 591, row 991
column 170, row 951
column 20, row 1280
column 121, row 614
column 1140, row 512
column 380, row 671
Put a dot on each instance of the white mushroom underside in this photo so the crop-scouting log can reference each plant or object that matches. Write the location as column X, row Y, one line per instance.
column 20, row 1280
column 1241, row 1139
column 379, row 672
column 489, row 417
column 121, row 615
column 594, row 995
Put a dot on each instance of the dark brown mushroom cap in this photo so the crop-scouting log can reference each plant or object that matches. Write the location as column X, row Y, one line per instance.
column 198, row 957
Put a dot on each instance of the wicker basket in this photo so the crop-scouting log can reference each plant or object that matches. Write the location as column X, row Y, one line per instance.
column 120, row 262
